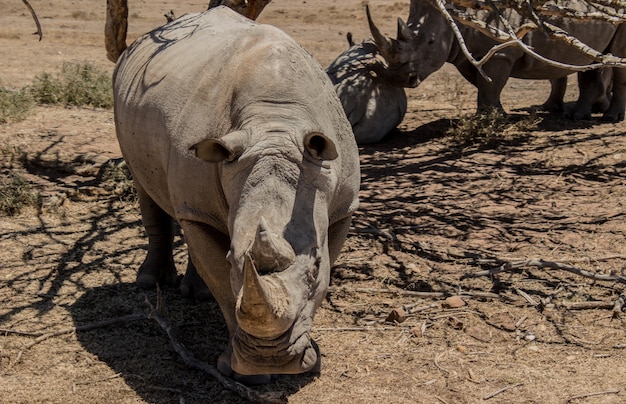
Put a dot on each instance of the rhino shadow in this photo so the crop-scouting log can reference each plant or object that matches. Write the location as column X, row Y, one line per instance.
column 142, row 354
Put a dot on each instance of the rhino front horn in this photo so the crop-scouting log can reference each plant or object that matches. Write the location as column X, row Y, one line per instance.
column 263, row 306
column 385, row 44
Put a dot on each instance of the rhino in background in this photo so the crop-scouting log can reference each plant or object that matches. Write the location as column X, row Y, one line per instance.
column 433, row 43
column 373, row 101
column 235, row 131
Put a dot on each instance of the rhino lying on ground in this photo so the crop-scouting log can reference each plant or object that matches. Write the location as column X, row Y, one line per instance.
column 235, row 131
column 373, row 101
column 433, row 43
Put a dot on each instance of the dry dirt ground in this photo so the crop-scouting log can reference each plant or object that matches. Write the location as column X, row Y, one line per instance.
column 431, row 214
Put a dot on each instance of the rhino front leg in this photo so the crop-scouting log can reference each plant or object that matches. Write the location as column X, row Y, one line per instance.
column 158, row 267
column 207, row 251
column 498, row 70
column 337, row 234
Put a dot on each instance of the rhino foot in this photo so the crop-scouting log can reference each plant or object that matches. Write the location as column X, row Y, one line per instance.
column 193, row 287
column 577, row 115
column 223, row 365
column 153, row 272
column 613, row 116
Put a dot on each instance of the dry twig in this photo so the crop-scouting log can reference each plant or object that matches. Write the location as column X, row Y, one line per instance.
column 502, row 390
column 598, row 393
column 538, row 262
column 532, row 15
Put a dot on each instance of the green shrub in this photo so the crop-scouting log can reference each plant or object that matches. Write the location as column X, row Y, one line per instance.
column 117, row 179
column 78, row 84
column 16, row 194
column 15, row 105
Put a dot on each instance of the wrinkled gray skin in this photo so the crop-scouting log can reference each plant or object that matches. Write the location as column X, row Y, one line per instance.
column 433, row 43
column 235, row 131
column 373, row 101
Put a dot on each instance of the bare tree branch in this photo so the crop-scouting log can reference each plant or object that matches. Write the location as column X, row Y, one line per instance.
column 34, row 15
column 533, row 14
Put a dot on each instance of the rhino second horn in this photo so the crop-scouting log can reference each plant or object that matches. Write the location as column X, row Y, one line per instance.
column 270, row 252
column 263, row 304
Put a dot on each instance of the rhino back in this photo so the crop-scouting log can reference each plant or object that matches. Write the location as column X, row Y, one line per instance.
column 200, row 77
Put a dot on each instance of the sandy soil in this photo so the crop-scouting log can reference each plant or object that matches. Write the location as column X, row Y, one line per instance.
column 432, row 213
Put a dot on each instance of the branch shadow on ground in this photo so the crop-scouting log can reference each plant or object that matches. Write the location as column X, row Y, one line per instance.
column 500, row 198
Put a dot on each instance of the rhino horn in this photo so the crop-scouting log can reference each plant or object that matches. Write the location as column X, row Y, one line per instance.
column 404, row 32
column 384, row 43
column 229, row 147
column 271, row 253
column 263, row 304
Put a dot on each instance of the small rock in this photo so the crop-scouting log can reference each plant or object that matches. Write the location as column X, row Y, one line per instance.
column 396, row 316
column 453, row 302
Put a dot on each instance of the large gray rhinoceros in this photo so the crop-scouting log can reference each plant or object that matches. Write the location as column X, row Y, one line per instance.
column 234, row 130
column 433, row 44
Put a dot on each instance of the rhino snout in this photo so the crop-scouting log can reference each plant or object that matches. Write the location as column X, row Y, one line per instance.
column 255, row 356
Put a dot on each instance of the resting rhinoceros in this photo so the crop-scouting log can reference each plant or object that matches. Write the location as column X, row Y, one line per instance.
column 235, row 131
column 373, row 101
column 433, row 44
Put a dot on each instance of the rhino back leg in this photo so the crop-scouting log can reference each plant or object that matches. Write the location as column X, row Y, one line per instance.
column 617, row 47
column 615, row 113
column 554, row 103
column 192, row 285
column 591, row 89
column 158, row 267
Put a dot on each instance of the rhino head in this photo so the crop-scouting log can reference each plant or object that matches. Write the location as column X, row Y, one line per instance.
column 277, row 188
column 422, row 46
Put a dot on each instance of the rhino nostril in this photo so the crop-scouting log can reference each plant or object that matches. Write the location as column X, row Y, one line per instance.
column 413, row 81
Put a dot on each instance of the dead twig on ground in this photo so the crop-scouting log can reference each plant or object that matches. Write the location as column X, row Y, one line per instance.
column 541, row 263
column 402, row 292
column 189, row 360
column 598, row 393
column 502, row 390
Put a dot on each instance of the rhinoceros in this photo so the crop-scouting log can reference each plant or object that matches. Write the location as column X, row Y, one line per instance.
column 234, row 130
column 374, row 102
column 433, row 43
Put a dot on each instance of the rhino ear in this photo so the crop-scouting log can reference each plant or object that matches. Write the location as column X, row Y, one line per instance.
column 320, row 147
column 227, row 148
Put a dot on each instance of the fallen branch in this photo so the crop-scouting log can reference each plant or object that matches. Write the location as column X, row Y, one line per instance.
column 188, row 358
column 598, row 393
column 538, row 262
column 402, row 292
column 502, row 390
